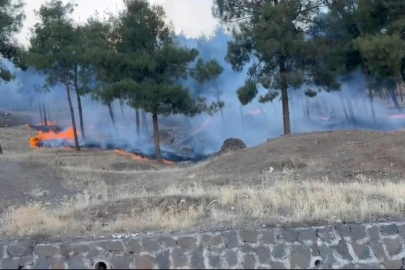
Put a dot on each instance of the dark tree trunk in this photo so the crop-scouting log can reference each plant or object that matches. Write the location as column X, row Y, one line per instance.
column 400, row 93
column 138, row 128
column 156, row 138
column 220, row 110
column 110, row 110
column 394, row 99
column 307, row 108
column 344, row 109
column 122, row 108
column 79, row 105
column 1, row 150
column 45, row 117
column 40, row 113
column 72, row 113
column 145, row 123
column 284, row 96
column 370, row 91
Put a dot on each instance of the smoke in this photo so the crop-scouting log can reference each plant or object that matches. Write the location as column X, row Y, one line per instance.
column 204, row 134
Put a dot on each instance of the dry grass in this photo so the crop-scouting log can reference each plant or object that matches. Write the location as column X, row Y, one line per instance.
column 277, row 200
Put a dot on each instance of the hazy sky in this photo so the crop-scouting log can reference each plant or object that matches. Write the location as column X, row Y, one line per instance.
column 193, row 17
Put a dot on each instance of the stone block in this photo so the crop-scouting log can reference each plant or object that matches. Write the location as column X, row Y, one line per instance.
column 401, row 230
column 343, row 250
column 277, row 265
column 197, row 259
column 290, row 235
column 369, row 266
column 378, row 249
column 231, row 258
column 44, row 263
column 343, row 230
column 279, row 251
column 115, row 245
column 326, row 235
column 231, row 239
column 267, row 237
column 187, row 242
column 363, row 252
column 263, row 253
column 135, row 246
column 215, row 241
column 167, row 241
column 179, row 258
column 358, row 232
column 300, row 257
column 391, row 229
column 151, row 244
column 306, row 235
column 16, row 250
column 374, row 233
column 163, row 259
column 393, row 246
column 9, row 263
column 26, row 260
column 144, row 262
column 327, row 254
column 59, row 263
column 121, row 262
column 249, row 236
column 393, row 264
column 249, row 261
column 77, row 262
column 214, row 261
column 314, row 249
column 66, row 250
column 93, row 254
column 46, row 250
column 79, row 249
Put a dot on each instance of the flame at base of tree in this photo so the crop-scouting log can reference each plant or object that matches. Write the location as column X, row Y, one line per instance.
column 42, row 136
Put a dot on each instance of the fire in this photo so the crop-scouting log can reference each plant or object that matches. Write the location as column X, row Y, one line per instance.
column 138, row 157
column 48, row 136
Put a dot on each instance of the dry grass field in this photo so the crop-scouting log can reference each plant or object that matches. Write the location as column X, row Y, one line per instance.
column 317, row 178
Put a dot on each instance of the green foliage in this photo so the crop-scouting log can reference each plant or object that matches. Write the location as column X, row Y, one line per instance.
column 247, row 92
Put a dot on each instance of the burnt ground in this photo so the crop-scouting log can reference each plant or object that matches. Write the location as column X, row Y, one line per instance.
column 53, row 176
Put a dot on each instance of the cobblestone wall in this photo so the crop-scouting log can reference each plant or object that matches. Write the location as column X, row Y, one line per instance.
column 368, row 246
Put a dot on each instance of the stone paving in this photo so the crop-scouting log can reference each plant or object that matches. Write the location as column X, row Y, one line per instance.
column 367, row 246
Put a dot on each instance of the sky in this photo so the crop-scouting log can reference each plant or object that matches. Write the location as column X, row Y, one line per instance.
column 192, row 17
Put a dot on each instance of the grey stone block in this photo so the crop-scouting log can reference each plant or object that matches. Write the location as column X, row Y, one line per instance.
column 378, row 249
column 59, row 263
column 197, row 259
column 306, row 235
column 279, row 251
column 121, row 262
column 300, row 257
column 44, row 263
column 151, row 244
column 328, row 258
column 231, row 258
column 401, row 230
column 277, row 265
column 77, row 262
column 249, row 236
column 144, row 262
column 163, row 259
column 231, row 239
column 16, row 250
column 65, row 250
column 135, row 246
column 78, row 249
column 396, row 264
column 249, row 261
column 215, row 242
column 167, row 241
column 263, row 253
column 374, row 233
column 362, row 251
column 393, row 246
column 267, row 237
column 389, row 229
column 343, row 230
column 26, row 260
column 215, row 261
column 93, row 254
column 179, row 258
column 9, row 263
column 290, row 235
column 46, row 250
column 314, row 249
column 370, row 266
column 358, row 232
column 326, row 235
column 187, row 242
column 343, row 250
column 115, row 246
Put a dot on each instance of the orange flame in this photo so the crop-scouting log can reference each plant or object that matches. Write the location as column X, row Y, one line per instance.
column 47, row 136
column 138, row 157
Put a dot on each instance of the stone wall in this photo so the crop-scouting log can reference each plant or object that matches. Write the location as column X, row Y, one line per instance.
column 343, row 246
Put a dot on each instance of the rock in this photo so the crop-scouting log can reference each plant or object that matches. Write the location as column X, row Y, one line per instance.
column 16, row 250
column 197, row 259
column 135, row 246
column 279, row 251
column 343, row 250
column 362, row 251
column 45, row 263
column 378, row 249
column 46, row 250
column 393, row 246
column 327, row 255
column 179, row 258
column 249, row 261
column 358, row 232
column 231, row 258
column 187, row 242
column 150, row 244
column 144, row 262
column 268, row 237
column 215, row 261
column 231, row 239
column 121, row 262
column 300, row 257
column 77, row 262
column 396, row 264
column 389, row 229
column 306, row 235
column 163, row 260
column 249, row 236
column 9, row 263
column 231, row 145
column 290, row 235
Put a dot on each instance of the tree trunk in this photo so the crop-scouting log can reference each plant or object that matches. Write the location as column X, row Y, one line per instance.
column 138, row 128
column 79, row 105
column 219, row 100
column 284, row 96
column 72, row 113
column 156, row 138
column 394, row 99
column 350, row 108
column 307, row 108
column 400, row 93
column 40, row 113
column 344, row 109
column 122, row 108
column 370, row 91
column 241, row 115
column 1, row 150
column 45, row 117
column 144, row 123
column 110, row 110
